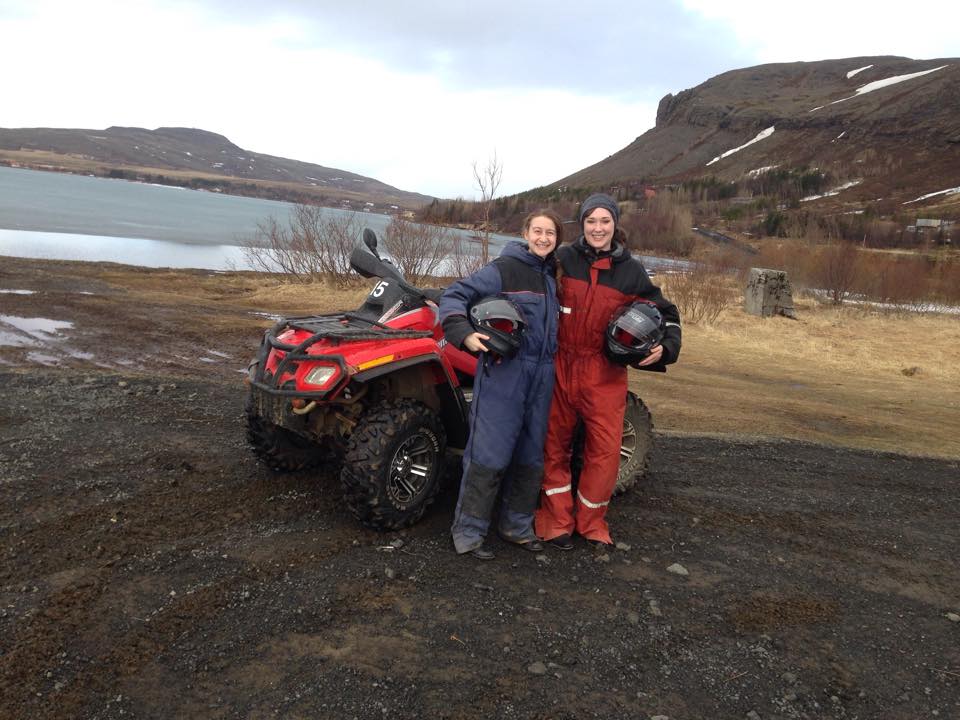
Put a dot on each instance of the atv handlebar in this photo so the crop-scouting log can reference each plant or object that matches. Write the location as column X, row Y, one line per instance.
column 367, row 262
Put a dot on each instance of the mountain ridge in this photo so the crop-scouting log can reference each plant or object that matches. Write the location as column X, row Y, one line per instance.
column 195, row 158
column 820, row 116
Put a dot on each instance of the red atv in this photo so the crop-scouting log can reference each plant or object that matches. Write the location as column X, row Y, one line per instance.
column 381, row 394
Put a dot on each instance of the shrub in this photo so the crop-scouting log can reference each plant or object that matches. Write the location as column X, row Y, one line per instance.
column 313, row 246
column 836, row 269
column 419, row 250
column 701, row 293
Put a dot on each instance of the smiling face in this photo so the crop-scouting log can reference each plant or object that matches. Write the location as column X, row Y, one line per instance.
column 541, row 236
column 598, row 229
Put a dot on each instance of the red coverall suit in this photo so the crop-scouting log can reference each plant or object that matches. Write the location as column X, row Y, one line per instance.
column 590, row 387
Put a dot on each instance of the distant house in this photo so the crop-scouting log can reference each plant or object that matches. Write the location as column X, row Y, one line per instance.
column 932, row 230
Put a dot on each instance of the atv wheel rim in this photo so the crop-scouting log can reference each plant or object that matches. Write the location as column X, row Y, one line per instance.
column 628, row 443
column 412, row 468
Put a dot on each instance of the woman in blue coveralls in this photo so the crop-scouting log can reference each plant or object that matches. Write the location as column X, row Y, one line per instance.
column 511, row 396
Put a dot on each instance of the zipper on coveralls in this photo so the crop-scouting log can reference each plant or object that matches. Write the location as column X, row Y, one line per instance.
column 546, row 311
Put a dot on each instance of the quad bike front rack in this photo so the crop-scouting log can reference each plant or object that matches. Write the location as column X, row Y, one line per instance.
column 342, row 327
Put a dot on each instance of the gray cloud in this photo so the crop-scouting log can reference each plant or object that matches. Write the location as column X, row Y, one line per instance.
column 633, row 49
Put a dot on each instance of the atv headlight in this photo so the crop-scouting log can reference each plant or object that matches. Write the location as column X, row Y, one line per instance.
column 320, row 375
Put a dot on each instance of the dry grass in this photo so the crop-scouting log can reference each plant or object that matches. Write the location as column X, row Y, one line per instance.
column 843, row 340
column 835, row 375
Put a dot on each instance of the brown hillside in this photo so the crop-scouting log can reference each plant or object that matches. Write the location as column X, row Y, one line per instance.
column 900, row 140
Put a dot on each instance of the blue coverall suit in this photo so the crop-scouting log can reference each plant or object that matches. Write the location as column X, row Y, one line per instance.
column 511, row 398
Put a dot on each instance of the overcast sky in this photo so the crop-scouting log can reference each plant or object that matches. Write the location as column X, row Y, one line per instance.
column 412, row 92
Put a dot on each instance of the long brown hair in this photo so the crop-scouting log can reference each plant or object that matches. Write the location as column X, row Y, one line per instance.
column 551, row 216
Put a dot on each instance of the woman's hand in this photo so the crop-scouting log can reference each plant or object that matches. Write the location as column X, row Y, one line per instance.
column 474, row 342
column 654, row 357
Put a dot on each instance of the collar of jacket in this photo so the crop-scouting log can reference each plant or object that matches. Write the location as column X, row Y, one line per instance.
column 617, row 252
column 519, row 251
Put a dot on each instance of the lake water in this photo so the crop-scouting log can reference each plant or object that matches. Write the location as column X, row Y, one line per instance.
column 75, row 217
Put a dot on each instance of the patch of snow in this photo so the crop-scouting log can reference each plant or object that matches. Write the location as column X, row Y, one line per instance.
column 831, row 193
column 269, row 316
column 818, row 107
column 857, row 71
column 752, row 173
column 8, row 339
column 218, row 354
column 40, row 328
column 919, row 307
column 17, row 292
column 949, row 191
column 760, row 136
column 839, row 136
column 186, row 152
column 878, row 84
column 42, row 359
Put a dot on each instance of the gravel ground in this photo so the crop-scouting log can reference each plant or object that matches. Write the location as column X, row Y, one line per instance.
column 151, row 568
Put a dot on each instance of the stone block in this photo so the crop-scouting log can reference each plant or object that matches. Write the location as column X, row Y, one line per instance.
column 769, row 293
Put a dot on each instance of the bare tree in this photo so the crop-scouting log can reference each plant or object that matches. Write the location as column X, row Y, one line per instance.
column 464, row 258
column 419, row 250
column 487, row 180
column 837, row 267
column 313, row 246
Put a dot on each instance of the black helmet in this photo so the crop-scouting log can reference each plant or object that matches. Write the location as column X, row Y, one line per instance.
column 502, row 321
column 633, row 331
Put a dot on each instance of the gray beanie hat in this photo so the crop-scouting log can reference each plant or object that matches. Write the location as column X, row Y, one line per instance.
column 599, row 200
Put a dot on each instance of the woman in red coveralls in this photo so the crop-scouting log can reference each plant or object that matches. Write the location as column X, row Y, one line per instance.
column 599, row 275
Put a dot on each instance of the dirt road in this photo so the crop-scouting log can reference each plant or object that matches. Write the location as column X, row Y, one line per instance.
column 152, row 569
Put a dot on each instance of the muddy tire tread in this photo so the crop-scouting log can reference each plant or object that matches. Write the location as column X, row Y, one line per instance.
column 278, row 448
column 362, row 476
column 639, row 415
